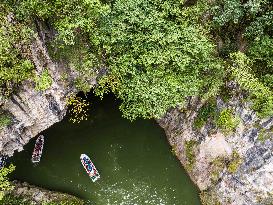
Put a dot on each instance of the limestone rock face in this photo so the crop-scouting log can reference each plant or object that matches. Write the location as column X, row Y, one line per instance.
column 33, row 111
column 251, row 183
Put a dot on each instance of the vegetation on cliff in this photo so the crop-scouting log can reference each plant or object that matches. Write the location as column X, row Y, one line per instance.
column 5, row 184
column 157, row 52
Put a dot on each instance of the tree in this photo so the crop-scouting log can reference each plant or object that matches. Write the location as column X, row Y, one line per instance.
column 156, row 56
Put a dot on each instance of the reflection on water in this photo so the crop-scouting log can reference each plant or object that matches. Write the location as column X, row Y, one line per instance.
column 133, row 158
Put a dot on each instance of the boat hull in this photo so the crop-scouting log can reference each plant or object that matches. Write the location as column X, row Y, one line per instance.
column 38, row 150
column 89, row 167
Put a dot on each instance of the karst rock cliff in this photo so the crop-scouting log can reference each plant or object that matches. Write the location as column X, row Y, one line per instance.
column 248, row 182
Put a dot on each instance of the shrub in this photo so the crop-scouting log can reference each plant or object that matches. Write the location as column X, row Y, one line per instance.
column 261, row 95
column 14, row 37
column 207, row 111
column 227, row 121
column 44, row 81
column 5, row 120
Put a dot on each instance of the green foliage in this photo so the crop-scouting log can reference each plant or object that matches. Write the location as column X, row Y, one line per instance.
column 227, row 121
column 234, row 163
column 44, row 81
column 69, row 17
column 225, row 11
column 255, row 16
column 5, row 184
column 66, row 201
column 236, row 22
column 157, row 57
column 207, row 111
column 261, row 95
column 82, row 85
column 10, row 199
column 14, row 37
column 157, row 53
column 80, row 58
column 189, row 151
column 260, row 53
column 5, row 120
column 262, row 24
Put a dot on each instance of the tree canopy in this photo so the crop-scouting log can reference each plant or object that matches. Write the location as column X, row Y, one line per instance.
column 157, row 53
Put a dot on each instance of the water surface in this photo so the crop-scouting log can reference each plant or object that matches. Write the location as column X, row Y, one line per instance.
column 133, row 158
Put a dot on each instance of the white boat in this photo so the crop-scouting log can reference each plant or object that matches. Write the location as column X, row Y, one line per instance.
column 38, row 149
column 89, row 167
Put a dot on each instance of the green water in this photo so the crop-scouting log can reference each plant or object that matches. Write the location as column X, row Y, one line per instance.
column 133, row 158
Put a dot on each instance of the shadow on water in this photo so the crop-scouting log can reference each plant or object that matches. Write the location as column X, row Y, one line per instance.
column 133, row 158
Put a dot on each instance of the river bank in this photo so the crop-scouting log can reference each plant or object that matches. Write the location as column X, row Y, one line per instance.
column 230, row 168
column 26, row 194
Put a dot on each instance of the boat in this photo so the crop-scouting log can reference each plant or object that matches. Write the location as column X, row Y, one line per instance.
column 38, row 149
column 89, row 167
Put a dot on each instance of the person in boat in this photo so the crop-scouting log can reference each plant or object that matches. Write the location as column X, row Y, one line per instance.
column 89, row 167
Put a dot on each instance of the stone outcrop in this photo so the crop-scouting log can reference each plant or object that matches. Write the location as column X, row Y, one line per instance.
column 33, row 111
column 250, row 182
column 38, row 196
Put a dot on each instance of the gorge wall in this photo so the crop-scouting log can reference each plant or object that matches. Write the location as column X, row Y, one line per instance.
column 230, row 169
column 33, row 111
column 250, row 182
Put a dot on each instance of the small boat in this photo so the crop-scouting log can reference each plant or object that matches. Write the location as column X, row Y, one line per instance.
column 38, row 149
column 89, row 167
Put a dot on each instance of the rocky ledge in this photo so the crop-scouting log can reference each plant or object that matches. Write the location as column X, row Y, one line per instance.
column 31, row 110
column 32, row 195
column 233, row 168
